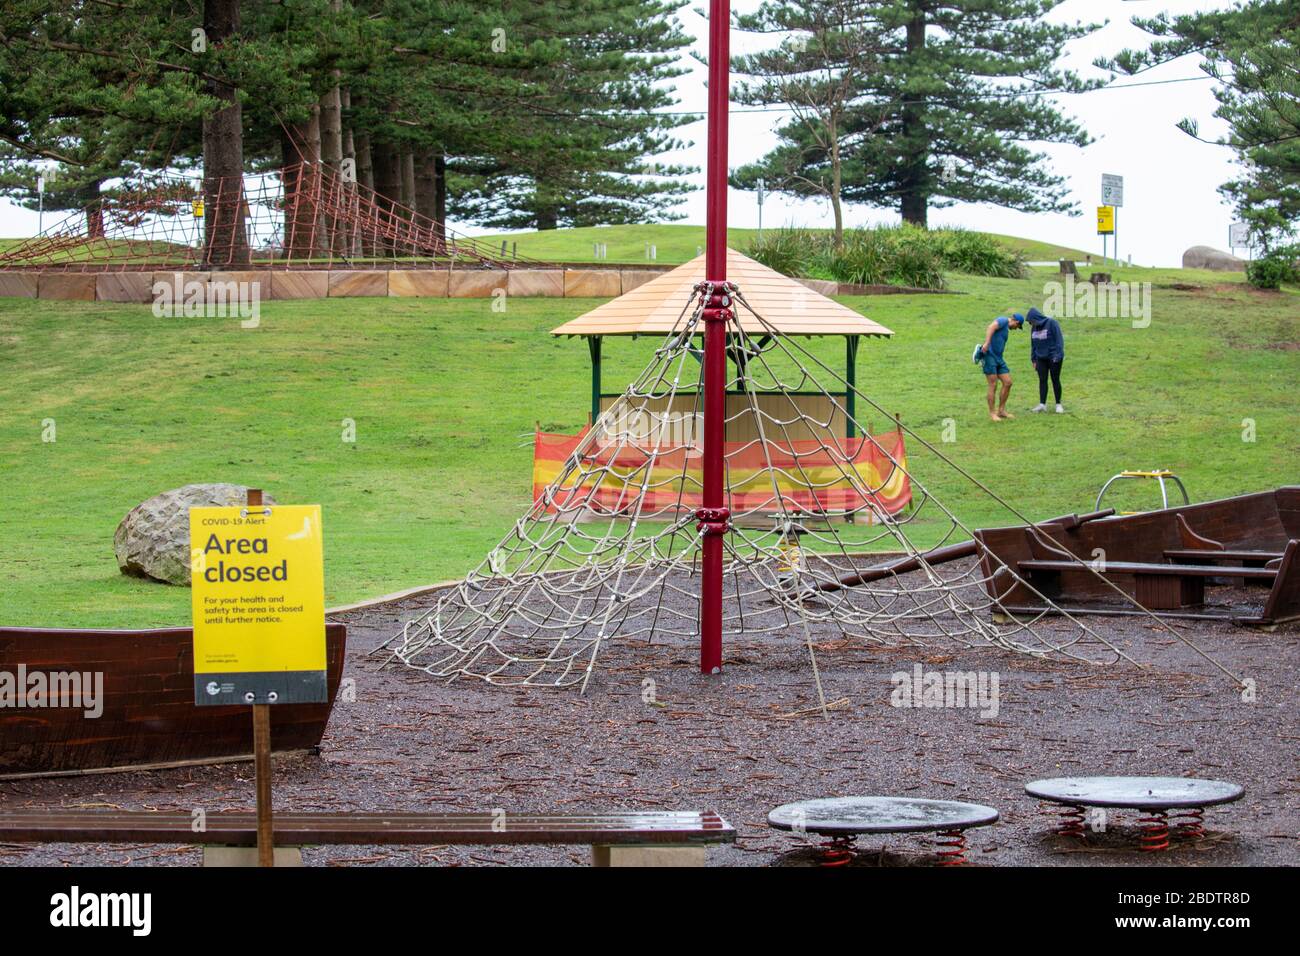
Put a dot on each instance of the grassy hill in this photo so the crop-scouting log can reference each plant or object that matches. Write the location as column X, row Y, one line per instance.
column 674, row 244
column 1036, row 251
column 445, row 394
column 677, row 243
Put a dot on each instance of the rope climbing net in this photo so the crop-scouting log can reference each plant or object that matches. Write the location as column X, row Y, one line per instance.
column 303, row 215
column 825, row 525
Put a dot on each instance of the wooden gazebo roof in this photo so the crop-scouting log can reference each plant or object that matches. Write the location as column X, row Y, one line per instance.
column 788, row 306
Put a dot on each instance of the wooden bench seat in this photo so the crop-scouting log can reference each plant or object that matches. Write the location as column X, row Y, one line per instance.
column 1225, row 540
column 1195, row 554
column 1159, row 587
column 1139, row 567
column 638, row 832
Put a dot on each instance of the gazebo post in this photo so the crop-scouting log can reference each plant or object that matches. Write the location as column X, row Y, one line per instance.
column 593, row 346
column 851, row 378
column 714, row 519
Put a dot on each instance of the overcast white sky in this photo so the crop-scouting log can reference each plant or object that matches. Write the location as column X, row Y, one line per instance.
column 1171, row 181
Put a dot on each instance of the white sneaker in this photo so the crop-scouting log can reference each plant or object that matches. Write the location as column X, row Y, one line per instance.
column 1060, row 409
column 1039, row 408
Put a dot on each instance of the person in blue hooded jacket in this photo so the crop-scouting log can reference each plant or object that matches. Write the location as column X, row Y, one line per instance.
column 1047, row 353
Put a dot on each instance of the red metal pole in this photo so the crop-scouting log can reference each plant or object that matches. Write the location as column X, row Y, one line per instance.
column 713, row 516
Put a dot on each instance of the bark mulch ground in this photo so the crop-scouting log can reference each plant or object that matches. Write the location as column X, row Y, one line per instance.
column 754, row 738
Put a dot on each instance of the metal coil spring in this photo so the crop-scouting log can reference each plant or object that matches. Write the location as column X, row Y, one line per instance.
column 952, row 848
column 838, row 851
column 1190, row 823
column 1070, row 821
column 1155, row 834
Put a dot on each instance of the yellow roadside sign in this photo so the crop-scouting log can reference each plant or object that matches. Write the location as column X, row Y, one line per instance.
column 1105, row 220
column 197, row 208
column 258, row 604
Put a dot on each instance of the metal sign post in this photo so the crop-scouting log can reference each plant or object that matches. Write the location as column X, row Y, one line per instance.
column 1105, row 226
column 1239, row 237
column 1112, row 194
column 762, row 194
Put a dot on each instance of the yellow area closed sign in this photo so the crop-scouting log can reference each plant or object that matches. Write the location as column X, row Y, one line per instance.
column 258, row 603
column 1105, row 220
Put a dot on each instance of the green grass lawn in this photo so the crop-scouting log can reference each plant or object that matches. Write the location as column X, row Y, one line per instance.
column 1037, row 251
column 445, row 394
column 678, row 243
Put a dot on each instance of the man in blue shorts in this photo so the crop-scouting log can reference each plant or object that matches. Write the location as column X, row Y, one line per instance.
column 996, row 370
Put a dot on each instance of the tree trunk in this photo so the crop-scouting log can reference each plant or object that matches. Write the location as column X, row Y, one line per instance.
column 290, row 179
column 225, row 238
column 388, row 189
column 300, row 152
column 440, row 197
column 331, row 130
column 426, row 191
column 331, row 155
column 837, row 183
column 88, row 199
column 352, row 234
column 408, row 196
column 913, row 196
column 546, row 213
column 366, row 190
column 365, row 164
column 408, row 180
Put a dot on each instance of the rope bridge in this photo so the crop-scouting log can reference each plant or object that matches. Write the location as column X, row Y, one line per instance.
column 304, row 215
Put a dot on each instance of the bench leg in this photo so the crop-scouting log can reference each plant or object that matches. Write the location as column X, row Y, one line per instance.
column 247, row 856
column 1159, row 592
column 623, row 855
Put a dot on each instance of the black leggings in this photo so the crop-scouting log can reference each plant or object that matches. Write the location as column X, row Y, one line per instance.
column 1046, row 366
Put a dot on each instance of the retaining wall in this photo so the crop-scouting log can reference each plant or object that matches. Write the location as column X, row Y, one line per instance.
column 137, row 287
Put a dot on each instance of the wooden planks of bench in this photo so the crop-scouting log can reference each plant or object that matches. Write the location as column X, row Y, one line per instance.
column 1195, row 554
column 1158, row 587
column 366, row 829
column 1141, row 568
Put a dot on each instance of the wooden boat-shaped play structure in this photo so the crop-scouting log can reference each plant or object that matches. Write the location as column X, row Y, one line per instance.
column 148, row 716
column 1192, row 561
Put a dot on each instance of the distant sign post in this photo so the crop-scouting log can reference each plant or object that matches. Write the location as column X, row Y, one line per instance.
column 1239, row 237
column 258, row 603
column 1112, row 190
column 1112, row 195
column 1105, row 226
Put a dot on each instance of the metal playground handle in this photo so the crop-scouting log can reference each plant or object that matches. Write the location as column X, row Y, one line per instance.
column 1160, row 475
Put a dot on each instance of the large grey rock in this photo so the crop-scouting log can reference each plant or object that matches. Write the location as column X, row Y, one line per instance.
column 153, row 540
column 1206, row 257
